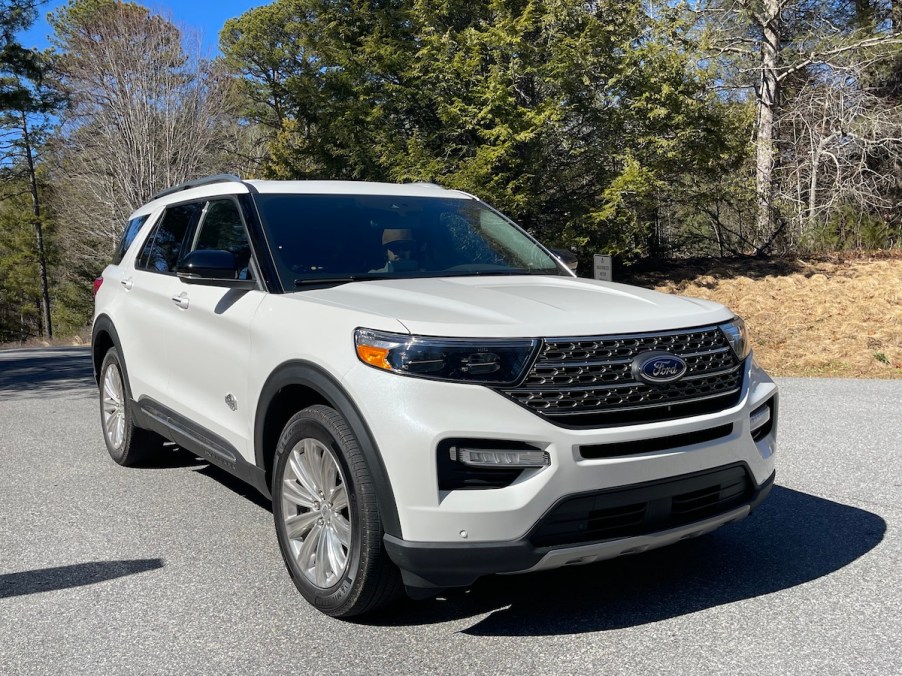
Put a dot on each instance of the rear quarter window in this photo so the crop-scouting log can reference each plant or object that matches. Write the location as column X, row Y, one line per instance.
column 132, row 228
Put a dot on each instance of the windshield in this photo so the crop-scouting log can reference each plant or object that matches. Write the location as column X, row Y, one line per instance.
column 335, row 238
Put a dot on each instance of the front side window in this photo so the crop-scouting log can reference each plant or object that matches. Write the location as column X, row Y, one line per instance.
column 164, row 245
column 341, row 237
column 222, row 228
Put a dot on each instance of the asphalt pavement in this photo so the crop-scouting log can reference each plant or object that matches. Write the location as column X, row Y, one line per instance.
column 175, row 568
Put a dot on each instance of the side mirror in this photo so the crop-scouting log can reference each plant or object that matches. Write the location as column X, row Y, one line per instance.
column 214, row 267
column 567, row 257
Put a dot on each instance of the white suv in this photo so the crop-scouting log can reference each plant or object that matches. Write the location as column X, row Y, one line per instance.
column 426, row 393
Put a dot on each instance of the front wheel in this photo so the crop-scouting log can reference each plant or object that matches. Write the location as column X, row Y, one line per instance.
column 327, row 520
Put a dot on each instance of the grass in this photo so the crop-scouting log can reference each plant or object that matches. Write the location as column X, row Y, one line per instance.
column 837, row 316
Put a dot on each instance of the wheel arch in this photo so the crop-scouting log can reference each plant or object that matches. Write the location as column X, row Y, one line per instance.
column 103, row 337
column 101, row 341
column 296, row 385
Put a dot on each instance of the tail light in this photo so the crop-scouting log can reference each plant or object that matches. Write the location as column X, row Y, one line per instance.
column 97, row 283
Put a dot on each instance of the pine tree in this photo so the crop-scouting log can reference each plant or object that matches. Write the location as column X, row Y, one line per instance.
column 26, row 105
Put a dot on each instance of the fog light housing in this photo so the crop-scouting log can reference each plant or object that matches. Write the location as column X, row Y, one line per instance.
column 484, row 457
column 759, row 418
column 481, row 464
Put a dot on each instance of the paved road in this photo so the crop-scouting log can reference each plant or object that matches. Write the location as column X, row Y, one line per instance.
column 175, row 568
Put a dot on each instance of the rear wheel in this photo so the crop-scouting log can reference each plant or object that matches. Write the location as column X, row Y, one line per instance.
column 327, row 520
column 128, row 444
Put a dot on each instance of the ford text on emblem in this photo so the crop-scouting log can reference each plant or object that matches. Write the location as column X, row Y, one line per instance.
column 658, row 367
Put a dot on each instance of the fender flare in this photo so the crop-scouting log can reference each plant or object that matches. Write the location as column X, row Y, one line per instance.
column 323, row 383
column 104, row 323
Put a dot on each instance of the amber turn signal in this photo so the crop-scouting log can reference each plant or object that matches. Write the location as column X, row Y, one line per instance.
column 374, row 356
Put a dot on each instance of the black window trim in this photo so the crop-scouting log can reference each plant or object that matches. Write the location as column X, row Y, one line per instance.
column 261, row 252
column 247, row 210
column 147, row 230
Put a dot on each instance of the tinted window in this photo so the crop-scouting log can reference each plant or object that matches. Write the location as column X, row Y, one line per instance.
column 329, row 236
column 222, row 228
column 128, row 236
column 164, row 246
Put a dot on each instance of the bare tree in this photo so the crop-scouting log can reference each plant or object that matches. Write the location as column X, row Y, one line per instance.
column 843, row 143
column 772, row 42
column 145, row 113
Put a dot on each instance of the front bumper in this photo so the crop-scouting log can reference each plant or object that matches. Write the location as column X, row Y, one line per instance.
column 451, row 537
column 428, row 565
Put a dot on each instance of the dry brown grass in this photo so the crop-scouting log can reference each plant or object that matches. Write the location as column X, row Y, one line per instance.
column 834, row 316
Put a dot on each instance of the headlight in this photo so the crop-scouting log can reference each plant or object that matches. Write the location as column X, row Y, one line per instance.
column 738, row 337
column 486, row 361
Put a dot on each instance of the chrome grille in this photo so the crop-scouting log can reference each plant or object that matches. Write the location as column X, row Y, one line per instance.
column 588, row 381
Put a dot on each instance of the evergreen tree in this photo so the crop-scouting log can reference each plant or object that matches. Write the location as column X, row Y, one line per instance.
column 26, row 107
column 571, row 117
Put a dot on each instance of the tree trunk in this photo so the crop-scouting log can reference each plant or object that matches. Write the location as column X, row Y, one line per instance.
column 718, row 229
column 768, row 100
column 39, row 235
column 812, row 187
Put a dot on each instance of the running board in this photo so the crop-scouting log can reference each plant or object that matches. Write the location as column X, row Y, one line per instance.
column 197, row 439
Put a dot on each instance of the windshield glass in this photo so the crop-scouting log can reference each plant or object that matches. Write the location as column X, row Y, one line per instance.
column 322, row 238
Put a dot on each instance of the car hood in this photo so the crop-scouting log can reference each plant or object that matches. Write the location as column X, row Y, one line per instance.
column 517, row 306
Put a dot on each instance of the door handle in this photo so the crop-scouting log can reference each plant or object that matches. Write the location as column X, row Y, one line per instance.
column 127, row 283
column 181, row 301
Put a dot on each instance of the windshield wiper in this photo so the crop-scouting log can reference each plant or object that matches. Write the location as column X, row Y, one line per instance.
column 364, row 277
column 507, row 272
column 338, row 280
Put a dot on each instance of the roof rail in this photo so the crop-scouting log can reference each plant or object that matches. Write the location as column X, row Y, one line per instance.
column 194, row 183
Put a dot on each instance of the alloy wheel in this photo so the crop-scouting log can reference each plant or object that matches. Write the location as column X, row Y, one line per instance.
column 316, row 512
column 113, row 407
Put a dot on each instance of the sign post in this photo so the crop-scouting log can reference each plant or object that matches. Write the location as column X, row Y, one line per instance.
column 604, row 268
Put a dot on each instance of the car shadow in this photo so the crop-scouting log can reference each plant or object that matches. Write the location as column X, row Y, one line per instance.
column 46, row 371
column 75, row 575
column 652, row 272
column 236, row 485
column 793, row 538
column 171, row 456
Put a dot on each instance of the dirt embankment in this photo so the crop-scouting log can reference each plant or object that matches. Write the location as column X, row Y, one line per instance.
column 838, row 316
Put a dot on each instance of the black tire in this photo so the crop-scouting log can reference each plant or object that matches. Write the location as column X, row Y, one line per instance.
column 134, row 446
column 368, row 579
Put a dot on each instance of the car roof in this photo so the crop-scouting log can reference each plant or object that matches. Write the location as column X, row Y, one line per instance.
column 302, row 188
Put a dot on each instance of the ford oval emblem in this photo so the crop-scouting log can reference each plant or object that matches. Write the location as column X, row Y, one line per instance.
column 658, row 367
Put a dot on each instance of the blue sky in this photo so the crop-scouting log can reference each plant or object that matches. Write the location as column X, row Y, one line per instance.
column 204, row 16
